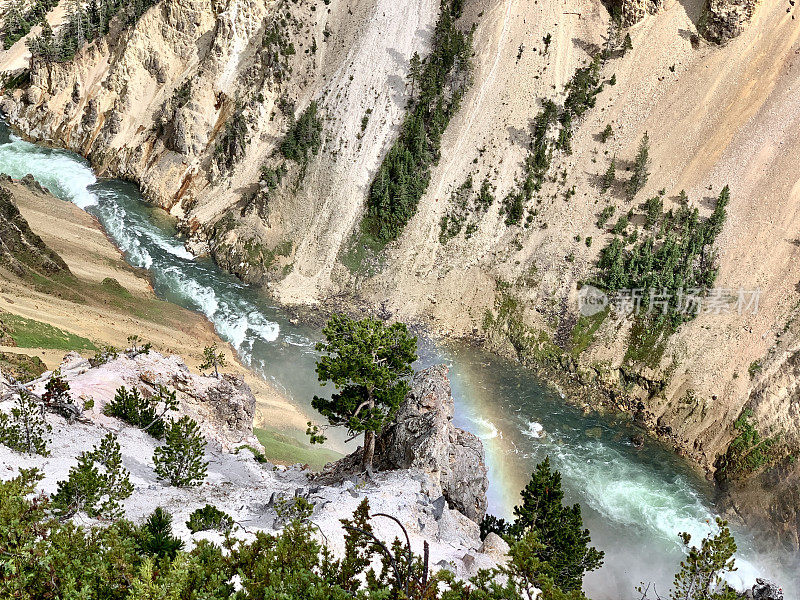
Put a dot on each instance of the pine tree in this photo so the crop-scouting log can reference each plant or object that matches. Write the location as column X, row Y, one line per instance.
column 97, row 483
column 368, row 363
column 180, row 460
column 415, row 72
column 640, row 168
column 717, row 219
column 702, row 573
column 26, row 430
column 627, row 44
column 212, row 359
column 609, row 177
column 156, row 536
column 565, row 543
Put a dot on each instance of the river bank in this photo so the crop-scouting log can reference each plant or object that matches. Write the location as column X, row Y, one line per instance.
column 636, row 500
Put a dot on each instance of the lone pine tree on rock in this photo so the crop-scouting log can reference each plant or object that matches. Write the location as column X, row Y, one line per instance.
column 213, row 359
column 369, row 364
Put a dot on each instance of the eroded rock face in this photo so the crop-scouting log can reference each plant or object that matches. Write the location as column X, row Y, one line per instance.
column 424, row 437
column 725, row 19
column 633, row 11
column 424, row 440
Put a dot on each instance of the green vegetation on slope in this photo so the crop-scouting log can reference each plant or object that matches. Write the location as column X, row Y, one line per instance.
column 674, row 257
column 284, row 449
column 21, row 366
column 21, row 250
column 748, row 452
column 582, row 92
column 438, row 84
column 18, row 21
column 28, row 333
column 83, row 25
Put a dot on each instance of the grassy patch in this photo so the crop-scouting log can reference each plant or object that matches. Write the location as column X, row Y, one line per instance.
column 28, row 333
column 647, row 342
column 115, row 288
column 748, row 452
column 507, row 322
column 362, row 255
column 282, row 448
column 584, row 330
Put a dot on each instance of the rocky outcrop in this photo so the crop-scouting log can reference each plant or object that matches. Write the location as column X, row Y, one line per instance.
column 764, row 590
column 770, row 503
column 423, row 438
column 725, row 19
column 21, row 250
column 633, row 11
column 223, row 407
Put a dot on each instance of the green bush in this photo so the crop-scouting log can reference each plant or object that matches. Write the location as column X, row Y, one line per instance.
column 209, row 518
column 97, row 484
column 148, row 414
column 155, row 537
column 180, row 460
column 25, row 430
column 604, row 216
column 104, row 355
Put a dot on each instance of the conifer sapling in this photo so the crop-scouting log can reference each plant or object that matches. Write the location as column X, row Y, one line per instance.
column 179, row 460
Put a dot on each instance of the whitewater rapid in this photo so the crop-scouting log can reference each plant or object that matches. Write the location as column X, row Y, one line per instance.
column 635, row 502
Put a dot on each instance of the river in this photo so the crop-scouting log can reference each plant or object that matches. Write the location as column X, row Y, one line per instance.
column 635, row 501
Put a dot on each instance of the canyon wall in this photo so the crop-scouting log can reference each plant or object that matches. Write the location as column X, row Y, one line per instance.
column 194, row 100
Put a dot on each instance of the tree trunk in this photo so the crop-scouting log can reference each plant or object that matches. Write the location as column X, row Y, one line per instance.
column 369, row 451
column 369, row 440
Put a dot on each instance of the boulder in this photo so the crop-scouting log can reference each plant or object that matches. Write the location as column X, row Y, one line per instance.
column 725, row 19
column 496, row 547
column 423, row 437
column 765, row 590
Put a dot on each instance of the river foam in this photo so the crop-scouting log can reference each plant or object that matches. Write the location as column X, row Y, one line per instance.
column 635, row 503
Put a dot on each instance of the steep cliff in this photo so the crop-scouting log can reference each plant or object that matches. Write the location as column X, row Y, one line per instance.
column 195, row 101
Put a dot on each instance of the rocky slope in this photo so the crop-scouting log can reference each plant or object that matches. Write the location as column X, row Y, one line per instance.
column 194, row 100
column 248, row 490
column 21, row 250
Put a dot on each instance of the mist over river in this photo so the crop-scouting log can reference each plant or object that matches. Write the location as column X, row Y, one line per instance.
column 635, row 502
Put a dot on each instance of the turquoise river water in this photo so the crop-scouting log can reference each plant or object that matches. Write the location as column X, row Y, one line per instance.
column 635, row 501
